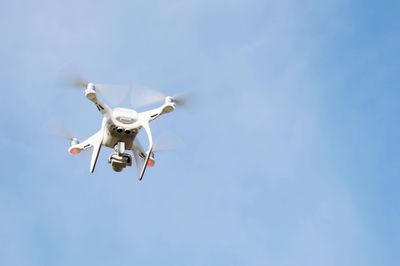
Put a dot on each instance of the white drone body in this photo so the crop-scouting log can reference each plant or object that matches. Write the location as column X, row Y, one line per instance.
column 118, row 131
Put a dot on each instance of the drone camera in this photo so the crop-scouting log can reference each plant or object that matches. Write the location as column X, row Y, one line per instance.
column 120, row 162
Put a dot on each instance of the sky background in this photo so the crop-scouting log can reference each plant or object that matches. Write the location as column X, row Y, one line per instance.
column 291, row 156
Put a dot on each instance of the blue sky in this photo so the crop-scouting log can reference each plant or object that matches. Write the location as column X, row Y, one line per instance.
column 290, row 156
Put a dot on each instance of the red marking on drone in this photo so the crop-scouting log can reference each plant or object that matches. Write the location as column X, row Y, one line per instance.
column 150, row 162
column 75, row 151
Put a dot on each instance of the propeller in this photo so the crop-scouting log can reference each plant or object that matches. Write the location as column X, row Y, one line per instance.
column 145, row 96
column 80, row 83
column 55, row 129
column 59, row 131
column 115, row 94
column 167, row 142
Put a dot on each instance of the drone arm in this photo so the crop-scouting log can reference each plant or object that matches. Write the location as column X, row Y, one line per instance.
column 94, row 141
column 152, row 114
column 91, row 95
column 88, row 143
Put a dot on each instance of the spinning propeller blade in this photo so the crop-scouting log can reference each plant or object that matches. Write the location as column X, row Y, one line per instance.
column 144, row 96
column 80, row 83
column 59, row 131
column 167, row 142
column 141, row 96
column 183, row 99
column 113, row 93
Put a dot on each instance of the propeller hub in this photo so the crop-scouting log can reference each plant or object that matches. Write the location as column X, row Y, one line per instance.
column 74, row 141
column 90, row 86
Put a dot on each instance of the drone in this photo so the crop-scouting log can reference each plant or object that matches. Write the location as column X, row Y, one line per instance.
column 119, row 131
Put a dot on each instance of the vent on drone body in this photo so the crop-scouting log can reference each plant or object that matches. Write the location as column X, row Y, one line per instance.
column 121, row 130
